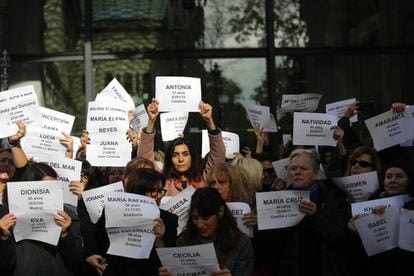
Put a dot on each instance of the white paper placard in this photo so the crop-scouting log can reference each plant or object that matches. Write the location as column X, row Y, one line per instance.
column 307, row 102
column 109, row 150
column 18, row 104
column 105, row 118
column 140, row 119
column 56, row 121
column 313, row 129
column 279, row 209
column 116, row 91
column 172, row 124
column 365, row 207
column 238, row 209
column 338, row 109
column 180, row 94
column 406, row 233
column 40, row 142
column 281, row 168
column 359, row 186
column 261, row 118
column 231, row 143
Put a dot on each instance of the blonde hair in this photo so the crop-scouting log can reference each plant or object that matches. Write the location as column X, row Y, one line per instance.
column 240, row 190
column 253, row 170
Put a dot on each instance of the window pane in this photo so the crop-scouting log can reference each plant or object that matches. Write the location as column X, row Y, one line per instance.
column 343, row 23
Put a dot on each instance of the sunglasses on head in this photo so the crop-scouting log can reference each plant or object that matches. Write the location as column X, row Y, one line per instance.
column 362, row 163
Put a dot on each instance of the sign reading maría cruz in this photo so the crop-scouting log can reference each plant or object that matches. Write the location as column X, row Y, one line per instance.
column 35, row 204
column 18, row 104
column 189, row 260
column 180, row 94
column 313, row 129
column 279, row 209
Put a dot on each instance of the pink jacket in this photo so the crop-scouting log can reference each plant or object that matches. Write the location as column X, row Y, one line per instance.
column 216, row 156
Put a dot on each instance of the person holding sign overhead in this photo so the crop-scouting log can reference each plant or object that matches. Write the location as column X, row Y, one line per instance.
column 211, row 220
column 182, row 165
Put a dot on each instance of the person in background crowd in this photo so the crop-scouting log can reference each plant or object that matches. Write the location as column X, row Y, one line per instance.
column 211, row 220
column 7, row 245
column 182, row 165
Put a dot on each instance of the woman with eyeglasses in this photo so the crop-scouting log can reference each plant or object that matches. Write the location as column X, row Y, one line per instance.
column 182, row 165
column 150, row 183
column 211, row 221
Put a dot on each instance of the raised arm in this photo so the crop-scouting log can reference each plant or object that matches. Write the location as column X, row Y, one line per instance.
column 19, row 157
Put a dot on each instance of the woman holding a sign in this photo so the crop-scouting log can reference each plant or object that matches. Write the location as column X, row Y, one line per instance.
column 150, row 183
column 211, row 221
column 182, row 165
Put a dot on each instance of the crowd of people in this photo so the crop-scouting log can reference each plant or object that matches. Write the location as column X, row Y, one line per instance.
column 325, row 242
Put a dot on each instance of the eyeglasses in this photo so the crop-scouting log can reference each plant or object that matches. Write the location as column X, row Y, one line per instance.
column 362, row 163
column 156, row 192
column 268, row 171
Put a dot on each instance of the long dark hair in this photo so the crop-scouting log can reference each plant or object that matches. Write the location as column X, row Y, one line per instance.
column 36, row 171
column 143, row 180
column 208, row 201
column 195, row 170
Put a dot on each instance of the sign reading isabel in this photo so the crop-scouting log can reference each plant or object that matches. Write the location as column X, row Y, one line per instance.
column 379, row 233
column 18, row 104
column 180, row 205
column 338, row 109
column 180, row 94
column 67, row 170
column 94, row 199
column 313, row 129
column 279, row 209
column 390, row 128
column 359, row 186
column 35, row 203
column 126, row 209
column 307, row 102
column 189, row 260
column 56, row 121
column 172, row 124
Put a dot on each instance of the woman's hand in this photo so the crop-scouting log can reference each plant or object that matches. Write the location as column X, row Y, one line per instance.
column 98, row 262
column 206, row 111
column 152, row 109
column 398, row 107
column 378, row 210
column 77, row 187
column 67, row 142
column 159, row 228
column 351, row 110
column 64, row 221
column 308, row 207
column 163, row 271
column 6, row 222
column 221, row 272
column 249, row 219
column 21, row 132
column 351, row 223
